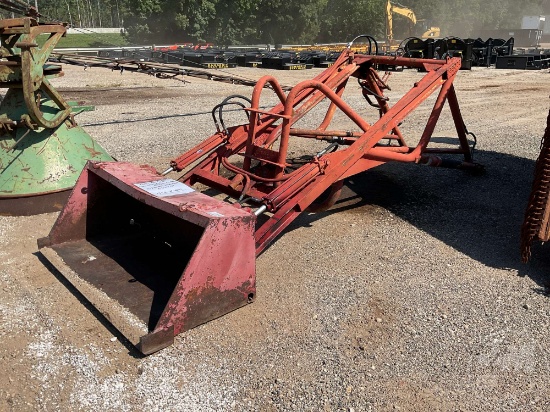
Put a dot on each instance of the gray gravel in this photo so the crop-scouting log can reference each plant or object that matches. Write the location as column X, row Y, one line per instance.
column 408, row 295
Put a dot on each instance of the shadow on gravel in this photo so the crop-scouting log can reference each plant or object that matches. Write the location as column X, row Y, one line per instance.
column 480, row 216
column 132, row 351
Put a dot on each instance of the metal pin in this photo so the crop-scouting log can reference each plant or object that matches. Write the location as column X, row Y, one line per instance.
column 260, row 210
column 170, row 169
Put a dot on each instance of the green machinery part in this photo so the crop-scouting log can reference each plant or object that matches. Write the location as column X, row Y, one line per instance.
column 42, row 149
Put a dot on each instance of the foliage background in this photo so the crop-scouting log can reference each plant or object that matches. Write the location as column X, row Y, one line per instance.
column 283, row 21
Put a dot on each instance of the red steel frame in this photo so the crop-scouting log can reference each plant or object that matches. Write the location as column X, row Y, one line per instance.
column 284, row 195
column 167, row 263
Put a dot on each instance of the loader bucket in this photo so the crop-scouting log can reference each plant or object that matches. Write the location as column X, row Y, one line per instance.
column 155, row 257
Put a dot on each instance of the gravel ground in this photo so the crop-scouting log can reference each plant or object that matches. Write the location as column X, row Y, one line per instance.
column 408, row 294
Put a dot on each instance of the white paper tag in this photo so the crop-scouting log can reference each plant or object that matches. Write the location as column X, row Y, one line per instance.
column 165, row 187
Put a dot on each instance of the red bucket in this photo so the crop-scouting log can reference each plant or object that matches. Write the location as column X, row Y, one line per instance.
column 154, row 256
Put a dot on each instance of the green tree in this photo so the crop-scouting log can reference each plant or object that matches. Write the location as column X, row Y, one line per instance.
column 282, row 21
column 342, row 20
column 84, row 13
column 306, row 21
column 234, row 22
column 170, row 20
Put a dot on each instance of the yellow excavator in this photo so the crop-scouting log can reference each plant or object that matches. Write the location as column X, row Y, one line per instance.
column 396, row 8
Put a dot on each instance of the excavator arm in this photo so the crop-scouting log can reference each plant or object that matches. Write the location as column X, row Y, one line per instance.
column 396, row 8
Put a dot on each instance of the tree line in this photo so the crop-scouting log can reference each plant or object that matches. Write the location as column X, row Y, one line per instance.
column 81, row 13
column 236, row 22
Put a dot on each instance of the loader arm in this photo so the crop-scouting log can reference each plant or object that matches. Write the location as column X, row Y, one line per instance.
column 263, row 179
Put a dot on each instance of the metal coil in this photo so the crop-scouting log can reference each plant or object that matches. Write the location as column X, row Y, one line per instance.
column 538, row 200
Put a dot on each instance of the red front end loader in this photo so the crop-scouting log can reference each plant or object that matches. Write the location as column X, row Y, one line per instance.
column 158, row 256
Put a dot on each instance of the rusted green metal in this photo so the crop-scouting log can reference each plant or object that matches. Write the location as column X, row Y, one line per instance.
column 42, row 149
column 79, row 107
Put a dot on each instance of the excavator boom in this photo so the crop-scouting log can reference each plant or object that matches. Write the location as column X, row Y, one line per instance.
column 396, row 8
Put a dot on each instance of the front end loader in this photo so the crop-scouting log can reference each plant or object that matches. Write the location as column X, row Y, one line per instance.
column 159, row 253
